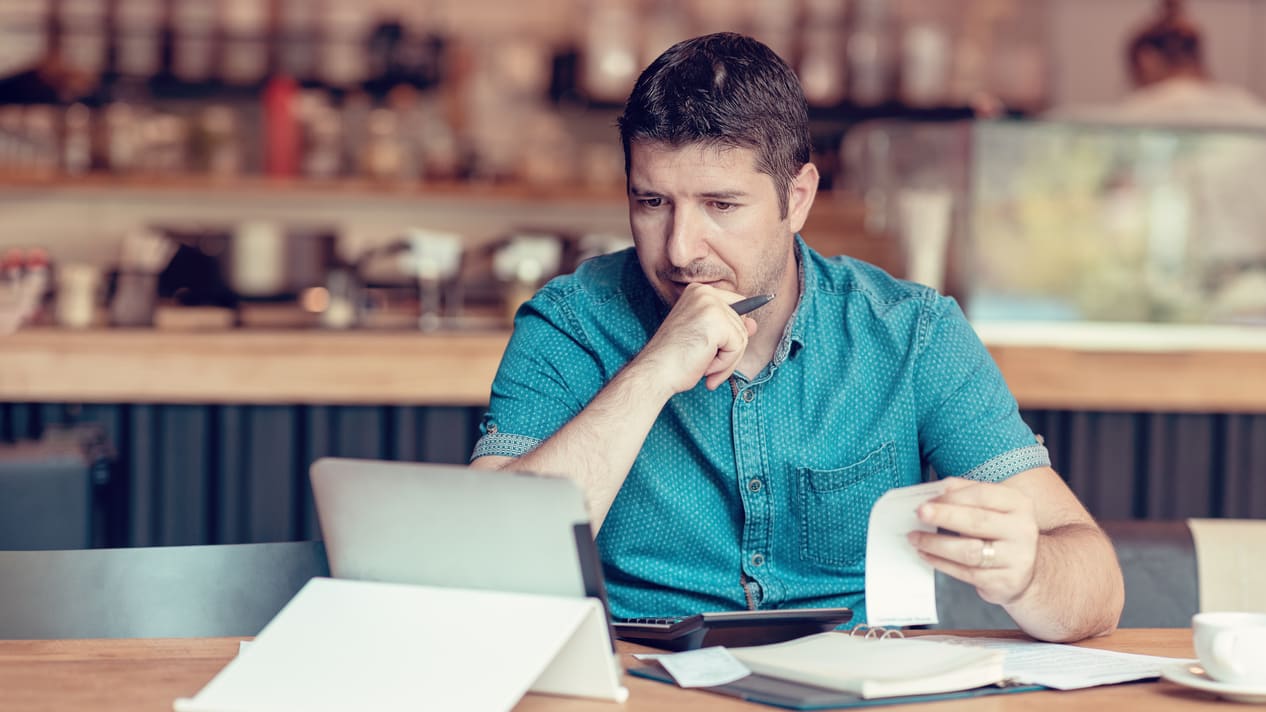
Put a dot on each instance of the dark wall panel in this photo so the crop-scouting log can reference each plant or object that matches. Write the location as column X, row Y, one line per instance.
column 192, row 474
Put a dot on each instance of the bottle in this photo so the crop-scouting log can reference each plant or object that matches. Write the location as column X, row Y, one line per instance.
column 78, row 285
column 869, row 54
column 195, row 27
column 246, row 55
column 609, row 54
column 84, row 32
column 925, row 64
column 139, row 27
column 34, row 286
column 281, row 130
column 77, row 140
column 298, row 39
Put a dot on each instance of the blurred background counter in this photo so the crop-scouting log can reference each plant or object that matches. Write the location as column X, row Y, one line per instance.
column 1073, row 367
column 245, row 366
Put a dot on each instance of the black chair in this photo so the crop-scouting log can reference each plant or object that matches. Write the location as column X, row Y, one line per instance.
column 1158, row 560
column 152, row 592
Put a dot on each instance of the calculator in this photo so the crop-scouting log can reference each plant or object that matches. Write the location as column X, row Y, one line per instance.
column 731, row 628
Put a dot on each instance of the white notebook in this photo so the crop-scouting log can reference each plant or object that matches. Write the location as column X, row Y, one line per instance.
column 875, row 668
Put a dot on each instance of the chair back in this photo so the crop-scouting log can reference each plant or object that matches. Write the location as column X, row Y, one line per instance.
column 1158, row 561
column 152, row 592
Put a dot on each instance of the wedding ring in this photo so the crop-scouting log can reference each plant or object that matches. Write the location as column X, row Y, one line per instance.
column 986, row 554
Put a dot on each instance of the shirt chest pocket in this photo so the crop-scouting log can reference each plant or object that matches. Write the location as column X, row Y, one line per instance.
column 835, row 507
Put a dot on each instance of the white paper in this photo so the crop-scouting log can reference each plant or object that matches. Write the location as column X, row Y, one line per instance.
column 705, row 667
column 900, row 587
column 341, row 645
column 1065, row 667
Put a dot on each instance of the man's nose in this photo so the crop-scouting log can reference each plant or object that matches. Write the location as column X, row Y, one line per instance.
column 686, row 243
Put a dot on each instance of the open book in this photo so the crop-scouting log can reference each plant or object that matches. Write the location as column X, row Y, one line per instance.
column 875, row 668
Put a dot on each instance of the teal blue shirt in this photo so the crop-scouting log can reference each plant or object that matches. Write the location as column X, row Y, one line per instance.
column 757, row 494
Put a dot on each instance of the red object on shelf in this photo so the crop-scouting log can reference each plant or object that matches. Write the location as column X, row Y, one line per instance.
column 281, row 130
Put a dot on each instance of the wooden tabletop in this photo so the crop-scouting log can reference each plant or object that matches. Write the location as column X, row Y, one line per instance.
column 146, row 675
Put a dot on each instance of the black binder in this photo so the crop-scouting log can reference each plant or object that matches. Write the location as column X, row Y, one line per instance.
column 798, row 696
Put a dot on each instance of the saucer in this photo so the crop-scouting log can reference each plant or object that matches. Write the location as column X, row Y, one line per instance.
column 1194, row 676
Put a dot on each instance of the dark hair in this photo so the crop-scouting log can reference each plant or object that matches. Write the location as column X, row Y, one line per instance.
column 728, row 90
column 1171, row 35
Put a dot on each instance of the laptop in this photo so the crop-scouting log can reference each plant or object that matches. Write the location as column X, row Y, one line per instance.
column 457, row 527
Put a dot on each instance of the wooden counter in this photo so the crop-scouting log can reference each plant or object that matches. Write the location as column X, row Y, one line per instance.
column 1132, row 367
column 245, row 366
column 1163, row 369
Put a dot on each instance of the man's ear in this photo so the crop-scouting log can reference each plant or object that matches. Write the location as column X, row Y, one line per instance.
column 803, row 189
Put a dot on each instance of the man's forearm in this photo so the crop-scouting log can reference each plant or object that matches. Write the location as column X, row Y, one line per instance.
column 597, row 448
column 1077, row 591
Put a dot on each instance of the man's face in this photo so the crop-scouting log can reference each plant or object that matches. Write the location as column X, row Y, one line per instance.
column 701, row 213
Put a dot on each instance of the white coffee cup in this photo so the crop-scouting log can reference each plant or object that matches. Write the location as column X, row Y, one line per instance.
column 1231, row 646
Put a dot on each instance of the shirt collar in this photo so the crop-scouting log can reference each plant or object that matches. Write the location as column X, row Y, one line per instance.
column 797, row 325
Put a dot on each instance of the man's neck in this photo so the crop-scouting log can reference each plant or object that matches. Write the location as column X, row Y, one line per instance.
column 772, row 324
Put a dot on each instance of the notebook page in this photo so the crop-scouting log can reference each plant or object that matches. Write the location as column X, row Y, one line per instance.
column 1064, row 667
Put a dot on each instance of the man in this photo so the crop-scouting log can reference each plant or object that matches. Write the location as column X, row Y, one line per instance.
column 732, row 461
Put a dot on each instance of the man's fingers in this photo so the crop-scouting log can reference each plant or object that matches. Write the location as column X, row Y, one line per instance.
column 966, row 520
column 995, row 585
column 729, row 352
column 966, row 550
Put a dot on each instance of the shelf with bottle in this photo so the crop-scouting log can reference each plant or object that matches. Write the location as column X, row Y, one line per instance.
column 265, row 187
column 330, row 90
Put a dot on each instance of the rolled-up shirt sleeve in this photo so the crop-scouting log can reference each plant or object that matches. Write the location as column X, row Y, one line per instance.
column 547, row 375
column 969, row 422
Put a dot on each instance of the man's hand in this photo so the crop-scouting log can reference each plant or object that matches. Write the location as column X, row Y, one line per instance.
column 994, row 541
column 702, row 337
column 1028, row 544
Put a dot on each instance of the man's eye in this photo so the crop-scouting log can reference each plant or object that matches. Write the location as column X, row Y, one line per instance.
column 723, row 206
column 651, row 202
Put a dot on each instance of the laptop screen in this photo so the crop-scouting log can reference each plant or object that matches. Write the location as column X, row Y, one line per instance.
column 455, row 527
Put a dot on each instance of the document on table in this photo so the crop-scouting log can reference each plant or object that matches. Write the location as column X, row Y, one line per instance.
column 705, row 667
column 1065, row 667
column 900, row 587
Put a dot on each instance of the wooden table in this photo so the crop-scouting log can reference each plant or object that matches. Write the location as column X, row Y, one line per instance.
column 146, row 675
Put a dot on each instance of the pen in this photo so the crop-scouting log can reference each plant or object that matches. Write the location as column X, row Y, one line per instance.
column 744, row 306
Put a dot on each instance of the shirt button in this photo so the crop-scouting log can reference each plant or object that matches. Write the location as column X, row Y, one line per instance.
column 748, row 396
column 754, row 485
column 758, row 560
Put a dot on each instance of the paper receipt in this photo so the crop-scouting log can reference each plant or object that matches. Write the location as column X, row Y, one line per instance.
column 900, row 587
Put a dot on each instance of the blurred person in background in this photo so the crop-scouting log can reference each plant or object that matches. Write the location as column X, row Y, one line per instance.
column 1172, row 85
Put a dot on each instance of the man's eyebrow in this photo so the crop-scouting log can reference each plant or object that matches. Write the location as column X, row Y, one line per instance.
column 723, row 195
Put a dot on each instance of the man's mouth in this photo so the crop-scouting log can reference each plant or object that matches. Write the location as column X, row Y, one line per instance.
column 679, row 286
